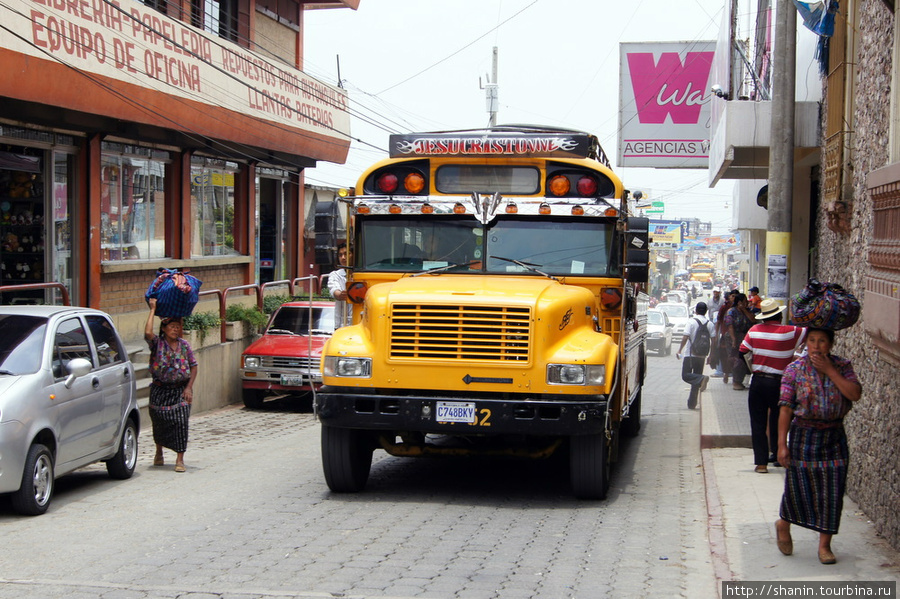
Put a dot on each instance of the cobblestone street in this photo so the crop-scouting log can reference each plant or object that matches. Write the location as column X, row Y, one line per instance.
column 252, row 517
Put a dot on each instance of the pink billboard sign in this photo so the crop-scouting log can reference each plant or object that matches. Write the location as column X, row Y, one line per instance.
column 664, row 104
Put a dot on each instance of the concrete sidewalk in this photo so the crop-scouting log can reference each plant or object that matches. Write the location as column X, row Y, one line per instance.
column 743, row 506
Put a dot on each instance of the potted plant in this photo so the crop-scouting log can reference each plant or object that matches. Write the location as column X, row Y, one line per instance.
column 198, row 326
column 242, row 321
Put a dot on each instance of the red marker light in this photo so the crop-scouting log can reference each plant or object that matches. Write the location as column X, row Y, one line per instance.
column 387, row 183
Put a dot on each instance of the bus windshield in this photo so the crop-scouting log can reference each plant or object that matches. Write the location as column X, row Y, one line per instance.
column 555, row 246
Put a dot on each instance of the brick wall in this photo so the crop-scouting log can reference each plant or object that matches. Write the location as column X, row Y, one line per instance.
column 873, row 426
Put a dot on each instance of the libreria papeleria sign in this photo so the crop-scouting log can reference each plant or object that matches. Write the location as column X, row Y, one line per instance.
column 664, row 104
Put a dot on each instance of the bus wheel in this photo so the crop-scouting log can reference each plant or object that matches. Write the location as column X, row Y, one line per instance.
column 589, row 466
column 631, row 425
column 346, row 459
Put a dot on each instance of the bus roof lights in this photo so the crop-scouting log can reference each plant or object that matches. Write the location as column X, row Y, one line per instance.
column 459, row 209
column 427, row 208
column 414, row 183
column 511, row 208
column 610, row 212
column 587, row 186
column 577, row 211
column 545, row 208
column 363, row 209
column 559, row 185
column 387, row 183
column 395, row 209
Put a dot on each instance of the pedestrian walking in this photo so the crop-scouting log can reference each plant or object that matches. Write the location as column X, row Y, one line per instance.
column 723, row 341
column 174, row 370
column 738, row 321
column 713, row 306
column 697, row 339
column 771, row 346
column 817, row 391
column 337, row 286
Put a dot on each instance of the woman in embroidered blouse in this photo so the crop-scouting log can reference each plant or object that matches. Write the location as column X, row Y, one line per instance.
column 816, row 393
column 738, row 321
column 174, row 370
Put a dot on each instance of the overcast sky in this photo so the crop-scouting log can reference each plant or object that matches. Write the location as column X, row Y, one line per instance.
column 414, row 65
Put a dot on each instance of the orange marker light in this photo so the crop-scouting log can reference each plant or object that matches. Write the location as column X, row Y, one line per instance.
column 427, row 209
column 362, row 209
column 544, row 209
column 512, row 209
column 577, row 211
column 395, row 209
column 414, row 183
column 459, row 209
column 559, row 185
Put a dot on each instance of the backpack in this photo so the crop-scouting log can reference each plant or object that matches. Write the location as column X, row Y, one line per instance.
column 700, row 343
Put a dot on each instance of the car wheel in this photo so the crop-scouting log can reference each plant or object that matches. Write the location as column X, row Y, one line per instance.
column 121, row 466
column 631, row 425
column 589, row 466
column 346, row 459
column 33, row 497
column 253, row 398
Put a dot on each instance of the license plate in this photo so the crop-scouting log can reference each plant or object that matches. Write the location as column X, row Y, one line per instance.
column 292, row 380
column 456, row 411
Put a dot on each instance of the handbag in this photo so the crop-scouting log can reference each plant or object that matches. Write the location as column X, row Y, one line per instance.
column 824, row 306
column 176, row 293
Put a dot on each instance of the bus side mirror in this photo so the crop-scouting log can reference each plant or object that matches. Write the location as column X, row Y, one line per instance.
column 637, row 249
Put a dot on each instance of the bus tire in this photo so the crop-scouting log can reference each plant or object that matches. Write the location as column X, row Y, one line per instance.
column 346, row 459
column 589, row 467
column 632, row 425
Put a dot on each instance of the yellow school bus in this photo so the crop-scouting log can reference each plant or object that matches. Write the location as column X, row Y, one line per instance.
column 499, row 306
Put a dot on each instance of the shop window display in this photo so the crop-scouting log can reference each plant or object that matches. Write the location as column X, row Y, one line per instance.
column 212, row 209
column 132, row 202
column 21, row 222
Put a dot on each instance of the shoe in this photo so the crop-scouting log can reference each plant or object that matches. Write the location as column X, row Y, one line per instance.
column 777, row 464
column 738, row 387
column 785, row 545
column 179, row 467
column 827, row 557
column 772, row 458
column 692, row 403
column 704, row 384
column 762, row 469
column 159, row 461
column 717, row 375
column 725, row 378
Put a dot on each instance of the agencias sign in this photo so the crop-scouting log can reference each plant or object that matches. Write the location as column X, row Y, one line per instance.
column 664, row 104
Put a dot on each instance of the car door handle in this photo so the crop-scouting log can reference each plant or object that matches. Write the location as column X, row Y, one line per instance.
column 126, row 374
column 95, row 383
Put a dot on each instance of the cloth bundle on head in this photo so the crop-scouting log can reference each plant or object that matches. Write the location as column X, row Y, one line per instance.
column 824, row 306
column 176, row 293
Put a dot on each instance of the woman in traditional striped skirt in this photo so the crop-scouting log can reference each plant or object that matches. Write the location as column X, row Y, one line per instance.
column 174, row 369
column 816, row 393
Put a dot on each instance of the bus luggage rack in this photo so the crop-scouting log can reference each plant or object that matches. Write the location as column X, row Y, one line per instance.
column 448, row 332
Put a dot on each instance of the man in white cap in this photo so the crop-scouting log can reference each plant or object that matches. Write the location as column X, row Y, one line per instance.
column 772, row 346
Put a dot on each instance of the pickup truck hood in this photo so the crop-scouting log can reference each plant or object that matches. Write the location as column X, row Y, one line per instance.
column 286, row 345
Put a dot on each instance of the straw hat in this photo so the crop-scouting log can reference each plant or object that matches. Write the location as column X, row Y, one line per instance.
column 769, row 308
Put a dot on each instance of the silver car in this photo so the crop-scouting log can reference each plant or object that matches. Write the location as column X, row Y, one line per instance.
column 67, row 399
column 678, row 315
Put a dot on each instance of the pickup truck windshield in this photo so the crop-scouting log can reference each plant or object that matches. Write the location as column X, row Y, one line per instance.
column 556, row 246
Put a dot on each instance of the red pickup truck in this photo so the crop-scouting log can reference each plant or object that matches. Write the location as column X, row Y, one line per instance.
column 285, row 360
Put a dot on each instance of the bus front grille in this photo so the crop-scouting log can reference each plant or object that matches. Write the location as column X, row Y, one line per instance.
column 449, row 332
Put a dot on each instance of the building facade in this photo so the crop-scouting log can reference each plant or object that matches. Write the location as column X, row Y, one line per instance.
column 171, row 134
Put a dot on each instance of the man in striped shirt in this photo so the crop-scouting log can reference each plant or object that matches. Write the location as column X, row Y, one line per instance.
column 772, row 346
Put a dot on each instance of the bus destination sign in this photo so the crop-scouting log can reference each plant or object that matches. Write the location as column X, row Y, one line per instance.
column 558, row 145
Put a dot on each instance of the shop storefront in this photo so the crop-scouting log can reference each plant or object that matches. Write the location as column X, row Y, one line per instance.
column 146, row 142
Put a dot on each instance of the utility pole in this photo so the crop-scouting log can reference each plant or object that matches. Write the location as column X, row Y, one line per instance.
column 781, row 152
column 491, row 92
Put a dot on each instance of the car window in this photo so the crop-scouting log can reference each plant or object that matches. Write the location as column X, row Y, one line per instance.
column 654, row 317
column 21, row 343
column 296, row 319
column 673, row 310
column 109, row 350
column 70, row 342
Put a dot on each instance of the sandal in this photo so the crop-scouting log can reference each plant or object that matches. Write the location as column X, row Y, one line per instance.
column 762, row 469
column 179, row 468
column 827, row 557
column 159, row 461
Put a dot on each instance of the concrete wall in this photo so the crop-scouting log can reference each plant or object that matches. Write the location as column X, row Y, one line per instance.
column 873, row 426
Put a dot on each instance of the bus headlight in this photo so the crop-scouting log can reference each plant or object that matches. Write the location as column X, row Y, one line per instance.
column 340, row 366
column 576, row 374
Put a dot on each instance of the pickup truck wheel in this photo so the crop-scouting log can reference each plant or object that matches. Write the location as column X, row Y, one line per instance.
column 346, row 459
column 121, row 466
column 33, row 496
column 631, row 425
column 253, row 398
column 589, row 466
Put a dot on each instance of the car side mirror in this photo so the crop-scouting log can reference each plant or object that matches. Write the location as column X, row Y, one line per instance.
column 77, row 367
column 669, row 325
